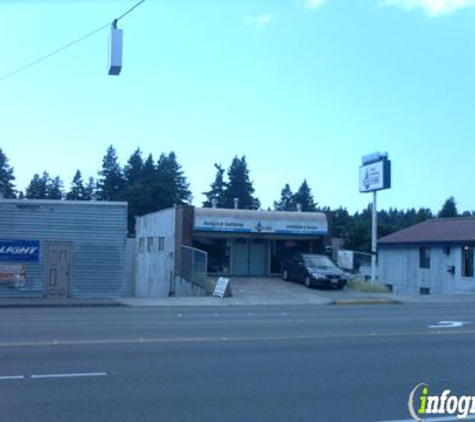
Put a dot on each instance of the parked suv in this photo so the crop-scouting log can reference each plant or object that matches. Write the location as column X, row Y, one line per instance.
column 314, row 270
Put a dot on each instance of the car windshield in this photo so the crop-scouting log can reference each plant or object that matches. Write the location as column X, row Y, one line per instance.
column 322, row 262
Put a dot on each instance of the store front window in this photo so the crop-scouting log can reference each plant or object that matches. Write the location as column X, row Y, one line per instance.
column 282, row 249
column 219, row 253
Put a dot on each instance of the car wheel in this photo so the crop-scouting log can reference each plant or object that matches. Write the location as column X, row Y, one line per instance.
column 340, row 286
column 308, row 282
column 285, row 275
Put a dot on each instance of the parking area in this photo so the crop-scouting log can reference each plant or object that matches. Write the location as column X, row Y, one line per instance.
column 274, row 290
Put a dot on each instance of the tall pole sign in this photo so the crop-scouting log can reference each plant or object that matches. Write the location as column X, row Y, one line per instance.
column 375, row 175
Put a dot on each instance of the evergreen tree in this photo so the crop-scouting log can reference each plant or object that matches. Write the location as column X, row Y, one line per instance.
column 449, row 209
column 55, row 188
column 78, row 190
column 134, row 168
column 90, row 190
column 44, row 187
column 7, row 188
column 304, row 197
column 287, row 200
column 135, row 193
column 111, row 183
column 218, row 188
column 171, row 186
column 240, row 186
column 38, row 187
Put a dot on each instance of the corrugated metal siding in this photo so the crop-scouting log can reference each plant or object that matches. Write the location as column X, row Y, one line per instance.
column 97, row 232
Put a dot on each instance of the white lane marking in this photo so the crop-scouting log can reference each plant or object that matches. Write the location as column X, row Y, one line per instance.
column 443, row 419
column 448, row 324
column 14, row 377
column 91, row 374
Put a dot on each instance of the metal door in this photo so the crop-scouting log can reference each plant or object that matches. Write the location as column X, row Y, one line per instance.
column 241, row 257
column 257, row 258
column 58, row 269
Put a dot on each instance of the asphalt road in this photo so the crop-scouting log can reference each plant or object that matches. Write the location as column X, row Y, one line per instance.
column 306, row 363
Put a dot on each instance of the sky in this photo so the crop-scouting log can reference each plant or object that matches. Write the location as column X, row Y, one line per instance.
column 303, row 88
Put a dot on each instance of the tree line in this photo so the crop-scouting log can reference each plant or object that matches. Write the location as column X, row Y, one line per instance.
column 150, row 185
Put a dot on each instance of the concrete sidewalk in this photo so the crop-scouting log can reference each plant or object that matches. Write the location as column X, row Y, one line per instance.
column 274, row 291
column 52, row 303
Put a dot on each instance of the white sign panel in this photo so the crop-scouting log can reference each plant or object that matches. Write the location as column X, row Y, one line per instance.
column 346, row 260
column 221, row 287
column 244, row 221
column 375, row 176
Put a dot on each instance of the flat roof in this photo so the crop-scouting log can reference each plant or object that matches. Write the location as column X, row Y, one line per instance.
column 60, row 202
column 439, row 230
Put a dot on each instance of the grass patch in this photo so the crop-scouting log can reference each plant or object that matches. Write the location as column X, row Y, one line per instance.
column 367, row 287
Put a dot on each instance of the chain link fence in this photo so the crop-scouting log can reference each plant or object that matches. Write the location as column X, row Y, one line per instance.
column 194, row 267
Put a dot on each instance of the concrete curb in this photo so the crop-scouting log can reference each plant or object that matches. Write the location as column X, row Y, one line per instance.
column 366, row 302
column 4, row 305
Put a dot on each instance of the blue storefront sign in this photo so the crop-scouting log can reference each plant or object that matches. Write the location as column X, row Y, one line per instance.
column 19, row 251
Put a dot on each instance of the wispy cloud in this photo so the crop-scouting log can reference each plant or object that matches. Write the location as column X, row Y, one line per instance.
column 432, row 7
column 258, row 21
column 314, row 4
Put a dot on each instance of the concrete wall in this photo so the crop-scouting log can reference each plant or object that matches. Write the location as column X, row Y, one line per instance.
column 183, row 288
column 154, row 270
column 399, row 267
column 130, row 252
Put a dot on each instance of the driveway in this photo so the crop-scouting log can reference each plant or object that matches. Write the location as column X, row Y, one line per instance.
column 273, row 290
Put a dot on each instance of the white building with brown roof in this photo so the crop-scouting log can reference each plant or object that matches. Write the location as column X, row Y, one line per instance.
column 436, row 256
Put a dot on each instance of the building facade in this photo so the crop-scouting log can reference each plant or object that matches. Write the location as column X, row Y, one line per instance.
column 236, row 243
column 62, row 249
column 436, row 256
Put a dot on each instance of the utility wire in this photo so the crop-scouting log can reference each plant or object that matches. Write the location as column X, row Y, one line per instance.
column 59, row 50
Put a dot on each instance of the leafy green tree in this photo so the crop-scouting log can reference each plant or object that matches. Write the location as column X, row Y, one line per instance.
column 287, row 200
column 217, row 189
column 240, row 186
column 111, row 183
column 305, row 198
column 7, row 188
column 78, row 190
column 341, row 221
column 449, row 209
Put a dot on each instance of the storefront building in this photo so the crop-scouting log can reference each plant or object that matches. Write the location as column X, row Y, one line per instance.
column 234, row 242
column 62, row 249
column 255, row 243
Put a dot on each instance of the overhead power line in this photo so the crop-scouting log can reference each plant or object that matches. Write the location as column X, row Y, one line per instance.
column 59, row 50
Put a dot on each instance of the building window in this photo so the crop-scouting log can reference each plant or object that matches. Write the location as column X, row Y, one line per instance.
column 142, row 245
column 149, row 244
column 467, row 261
column 161, row 244
column 424, row 257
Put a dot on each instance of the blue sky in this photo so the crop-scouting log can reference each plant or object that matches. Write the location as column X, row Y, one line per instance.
column 303, row 88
